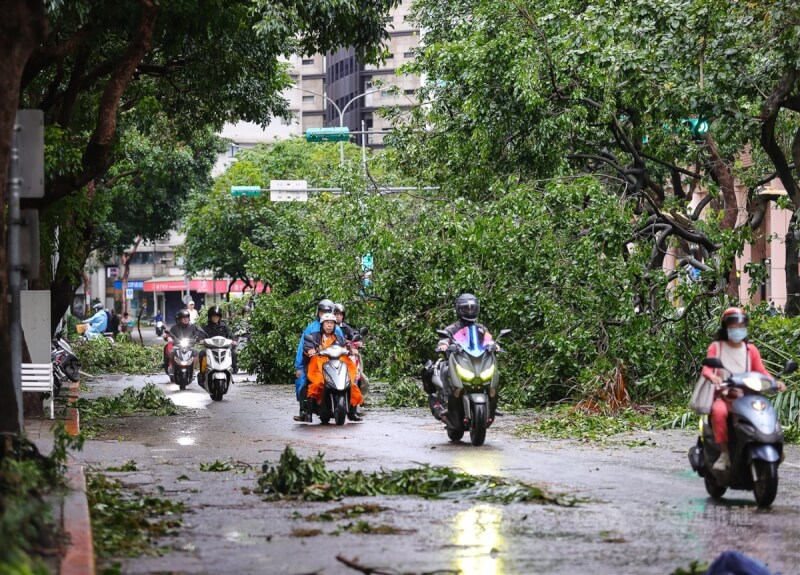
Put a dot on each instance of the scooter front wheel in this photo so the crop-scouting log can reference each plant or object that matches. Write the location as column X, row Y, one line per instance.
column 340, row 410
column 765, row 485
column 71, row 371
column 477, row 430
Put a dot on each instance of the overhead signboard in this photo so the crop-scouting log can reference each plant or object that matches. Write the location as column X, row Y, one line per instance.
column 288, row 190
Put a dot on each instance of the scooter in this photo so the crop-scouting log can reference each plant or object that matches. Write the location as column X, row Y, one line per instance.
column 160, row 328
column 755, row 440
column 242, row 339
column 336, row 393
column 355, row 356
column 468, row 378
column 65, row 362
column 181, row 363
column 217, row 376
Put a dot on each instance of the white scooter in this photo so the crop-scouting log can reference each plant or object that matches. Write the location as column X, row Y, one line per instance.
column 218, row 374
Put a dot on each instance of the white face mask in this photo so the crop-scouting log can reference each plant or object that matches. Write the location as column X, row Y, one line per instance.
column 737, row 334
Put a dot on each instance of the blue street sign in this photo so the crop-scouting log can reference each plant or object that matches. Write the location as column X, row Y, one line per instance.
column 249, row 191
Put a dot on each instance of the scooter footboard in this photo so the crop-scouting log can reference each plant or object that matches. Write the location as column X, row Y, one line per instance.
column 764, row 452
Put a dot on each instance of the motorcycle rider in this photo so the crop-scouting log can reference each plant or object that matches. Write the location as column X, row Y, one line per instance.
column 467, row 309
column 217, row 327
column 323, row 339
column 738, row 356
column 181, row 330
column 348, row 330
column 301, row 359
column 98, row 323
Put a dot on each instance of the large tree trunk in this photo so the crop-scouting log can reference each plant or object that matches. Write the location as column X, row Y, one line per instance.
column 22, row 26
column 792, row 307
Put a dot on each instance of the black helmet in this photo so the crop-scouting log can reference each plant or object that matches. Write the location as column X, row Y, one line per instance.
column 181, row 314
column 338, row 308
column 325, row 305
column 245, row 309
column 214, row 310
column 97, row 307
column 467, row 307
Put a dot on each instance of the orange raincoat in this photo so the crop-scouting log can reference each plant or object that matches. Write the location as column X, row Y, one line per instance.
column 316, row 381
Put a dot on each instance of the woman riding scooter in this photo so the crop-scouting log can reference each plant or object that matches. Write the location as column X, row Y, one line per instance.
column 738, row 356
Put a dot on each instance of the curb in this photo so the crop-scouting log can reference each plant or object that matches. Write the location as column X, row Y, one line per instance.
column 79, row 556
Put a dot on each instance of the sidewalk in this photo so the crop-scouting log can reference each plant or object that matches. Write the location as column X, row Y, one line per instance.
column 75, row 520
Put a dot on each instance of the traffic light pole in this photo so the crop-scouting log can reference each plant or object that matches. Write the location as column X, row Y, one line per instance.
column 341, row 113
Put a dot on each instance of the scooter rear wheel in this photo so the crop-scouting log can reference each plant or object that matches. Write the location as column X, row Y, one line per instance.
column 71, row 371
column 455, row 434
column 714, row 490
column 765, row 486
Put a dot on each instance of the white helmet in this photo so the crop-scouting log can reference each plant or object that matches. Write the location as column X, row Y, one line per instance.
column 327, row 317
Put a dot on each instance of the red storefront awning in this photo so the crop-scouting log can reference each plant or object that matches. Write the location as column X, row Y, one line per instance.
column 199, row 286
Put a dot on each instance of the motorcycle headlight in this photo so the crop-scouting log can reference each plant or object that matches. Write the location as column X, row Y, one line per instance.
column 184, row 343
column 487, row 374
column 464, row 373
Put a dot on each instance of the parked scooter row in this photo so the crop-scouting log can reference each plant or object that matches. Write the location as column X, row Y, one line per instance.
column 65, row 363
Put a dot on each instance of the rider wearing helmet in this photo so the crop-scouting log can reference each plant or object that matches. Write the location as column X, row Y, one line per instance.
column 181, row 330
column 216, row 327
column 348, row 330
column 322, row 339
column 467, row 309
column 98, row 323
column 738, row 356
column 301, row 359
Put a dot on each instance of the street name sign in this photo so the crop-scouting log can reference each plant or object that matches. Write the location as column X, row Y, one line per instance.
column 288, row 190
column 250, row 191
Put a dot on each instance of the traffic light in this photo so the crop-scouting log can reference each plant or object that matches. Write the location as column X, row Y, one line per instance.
column 697, row 126
column 339, row 134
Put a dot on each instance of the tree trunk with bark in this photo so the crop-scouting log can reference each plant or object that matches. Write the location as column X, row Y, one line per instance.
column 126, row 261
column 23, row 25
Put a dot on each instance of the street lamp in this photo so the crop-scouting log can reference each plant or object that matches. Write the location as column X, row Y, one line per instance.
column 341, row 113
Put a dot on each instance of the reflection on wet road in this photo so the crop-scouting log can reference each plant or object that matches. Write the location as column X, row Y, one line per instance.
column 478, row 540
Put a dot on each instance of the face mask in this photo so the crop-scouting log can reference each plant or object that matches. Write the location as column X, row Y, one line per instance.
column 737, row 334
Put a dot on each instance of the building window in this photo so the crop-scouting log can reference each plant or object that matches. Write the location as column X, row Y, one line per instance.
column 308, row 98
column 308, row 62
column 410, row 90
column 386, row 94
column 288, row 121
column 408, row 54
column 390, row 56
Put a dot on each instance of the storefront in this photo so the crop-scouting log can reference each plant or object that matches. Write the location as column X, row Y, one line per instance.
column 170, row 295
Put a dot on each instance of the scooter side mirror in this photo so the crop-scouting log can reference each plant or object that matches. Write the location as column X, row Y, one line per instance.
column 309, row 338
column 503, row 332
column 790, row 367
column 364, row 331
column 713, row 362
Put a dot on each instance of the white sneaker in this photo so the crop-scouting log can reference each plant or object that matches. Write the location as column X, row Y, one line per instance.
column 723, row 463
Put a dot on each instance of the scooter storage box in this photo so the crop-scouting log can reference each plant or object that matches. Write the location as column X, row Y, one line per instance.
column 697, row 460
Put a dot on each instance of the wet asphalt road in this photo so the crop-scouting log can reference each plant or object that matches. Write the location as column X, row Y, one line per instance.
column 644, row 511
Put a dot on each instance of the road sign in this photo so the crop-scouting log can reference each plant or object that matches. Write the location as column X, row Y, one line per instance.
column 340, row 134
column 238, row 191
column 288, row 190
column 31, row 153
column 129, row 293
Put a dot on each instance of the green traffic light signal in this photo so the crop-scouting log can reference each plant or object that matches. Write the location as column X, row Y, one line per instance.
column 697, row 126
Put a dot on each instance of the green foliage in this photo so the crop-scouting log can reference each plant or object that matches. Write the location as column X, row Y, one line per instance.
column 149, row 399
column 101, row 356
column 216, row 465
column 127, row 523
column 311, row 480
column 129, row 465
column 26, row 522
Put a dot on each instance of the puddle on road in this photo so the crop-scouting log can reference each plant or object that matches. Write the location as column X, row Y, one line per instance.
column 188, row 398
column 478, row 539
column 185, row 440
